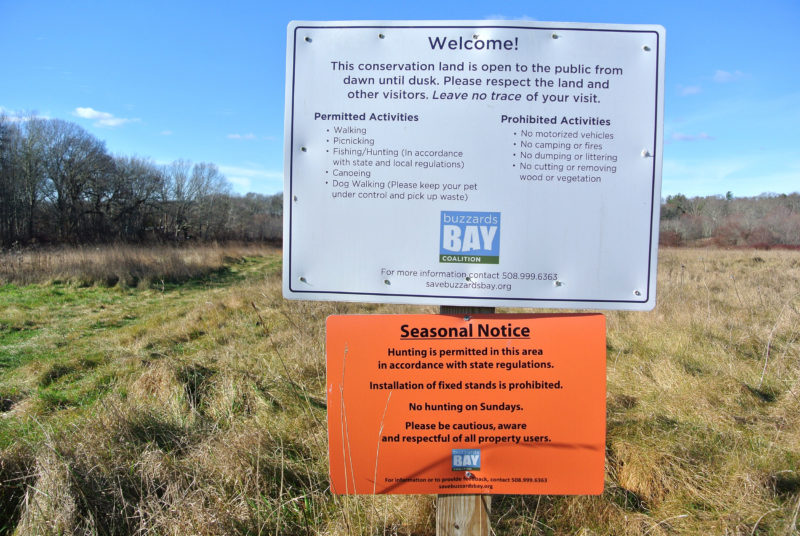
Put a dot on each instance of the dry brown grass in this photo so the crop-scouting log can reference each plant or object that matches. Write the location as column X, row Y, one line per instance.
column 704, row 393
column 124, row 265
column 216, row 421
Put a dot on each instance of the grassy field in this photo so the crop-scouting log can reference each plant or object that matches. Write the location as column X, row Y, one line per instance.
column 174, row 400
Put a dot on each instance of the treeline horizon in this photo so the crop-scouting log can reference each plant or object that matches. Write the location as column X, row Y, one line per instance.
column 60, row 185
column 763, row 221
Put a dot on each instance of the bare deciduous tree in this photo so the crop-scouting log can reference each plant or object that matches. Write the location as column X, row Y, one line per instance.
column 59, row 184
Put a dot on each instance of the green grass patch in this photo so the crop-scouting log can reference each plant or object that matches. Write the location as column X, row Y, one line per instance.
column 61, row 342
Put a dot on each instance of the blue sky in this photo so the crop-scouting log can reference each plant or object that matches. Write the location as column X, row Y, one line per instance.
column 204, row 81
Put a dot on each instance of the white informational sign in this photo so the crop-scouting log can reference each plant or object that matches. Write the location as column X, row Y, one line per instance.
column 473, row 163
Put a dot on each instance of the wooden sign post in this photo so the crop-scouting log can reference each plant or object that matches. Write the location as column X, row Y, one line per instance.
column 463, row 515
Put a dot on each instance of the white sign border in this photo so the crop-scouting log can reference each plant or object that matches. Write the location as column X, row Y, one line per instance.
column 645, row 302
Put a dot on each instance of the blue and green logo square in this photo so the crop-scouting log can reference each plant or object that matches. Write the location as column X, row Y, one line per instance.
column 466, row 459
column 469, row 237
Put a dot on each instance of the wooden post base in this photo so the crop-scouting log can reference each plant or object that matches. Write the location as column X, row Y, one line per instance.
column 463, row 515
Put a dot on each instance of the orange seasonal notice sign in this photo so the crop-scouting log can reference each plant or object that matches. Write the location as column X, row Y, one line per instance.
column 450, row 404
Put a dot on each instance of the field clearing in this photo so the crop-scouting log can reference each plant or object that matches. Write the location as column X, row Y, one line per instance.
column 196, row 405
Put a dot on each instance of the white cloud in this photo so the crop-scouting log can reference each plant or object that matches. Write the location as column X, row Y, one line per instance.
column 248, row 136
column 690, row 90
column 166, row 133
column 14, row 116
column 91, row 113
column 242, row 182
column 723, row 77
column 102, row 119
column 10, row 115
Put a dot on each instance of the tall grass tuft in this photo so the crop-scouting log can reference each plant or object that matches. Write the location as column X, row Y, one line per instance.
column 123, row 265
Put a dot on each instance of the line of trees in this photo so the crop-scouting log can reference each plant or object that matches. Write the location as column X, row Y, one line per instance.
column 59, row 184
column 767, row 220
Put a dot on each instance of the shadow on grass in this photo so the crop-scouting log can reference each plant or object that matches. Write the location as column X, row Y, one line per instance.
column 146, row 428
column 764, row 394
column 195, row 379
column 16, row 474
column 626, row 499
column 786, row 483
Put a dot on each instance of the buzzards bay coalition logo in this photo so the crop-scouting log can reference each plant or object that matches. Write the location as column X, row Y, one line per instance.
column 469, row 237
